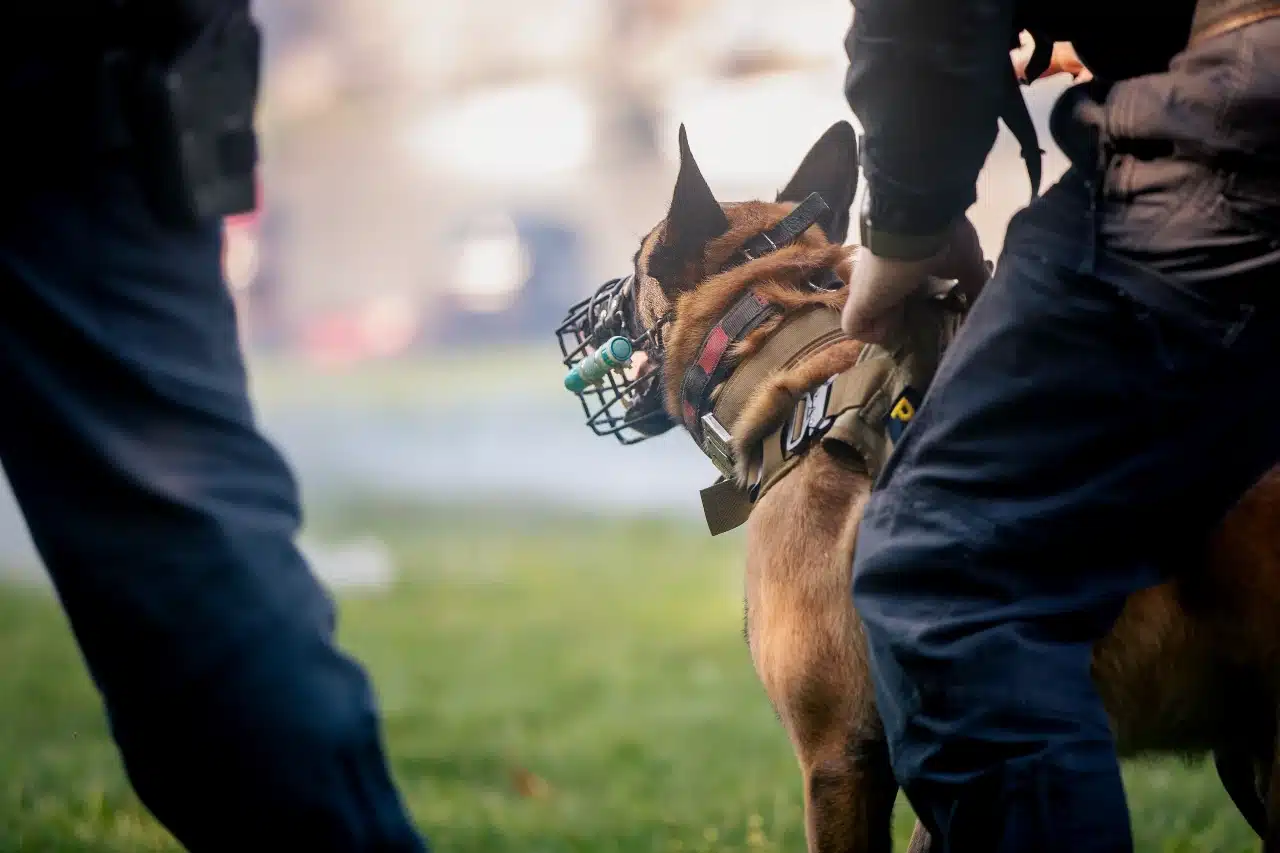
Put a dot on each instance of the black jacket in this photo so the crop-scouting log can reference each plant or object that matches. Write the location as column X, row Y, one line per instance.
column 926, row 80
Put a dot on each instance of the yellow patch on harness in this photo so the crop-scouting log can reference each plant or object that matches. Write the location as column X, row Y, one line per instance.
column 904, row 411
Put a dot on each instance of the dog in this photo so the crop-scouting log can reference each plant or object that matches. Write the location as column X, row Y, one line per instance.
column 1191, row 667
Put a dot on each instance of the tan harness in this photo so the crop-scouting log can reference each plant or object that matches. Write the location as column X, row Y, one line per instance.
column 864, row 408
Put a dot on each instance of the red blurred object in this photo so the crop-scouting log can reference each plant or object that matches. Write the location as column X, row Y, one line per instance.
column 377, row 327
column 250, row 217
column 240, row 249
column 242, row 226
column 334, row 340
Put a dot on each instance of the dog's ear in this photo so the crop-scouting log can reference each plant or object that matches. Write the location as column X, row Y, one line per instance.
column 694, row 220
column 831, row 170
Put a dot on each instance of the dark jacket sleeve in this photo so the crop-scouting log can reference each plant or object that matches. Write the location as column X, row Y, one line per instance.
column 925, row 81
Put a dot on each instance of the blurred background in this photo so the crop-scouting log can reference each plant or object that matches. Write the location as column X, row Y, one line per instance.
column 553, row 635
column 440, row 180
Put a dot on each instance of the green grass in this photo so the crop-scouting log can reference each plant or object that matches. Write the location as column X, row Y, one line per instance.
column 451, row 376
column 606, row 658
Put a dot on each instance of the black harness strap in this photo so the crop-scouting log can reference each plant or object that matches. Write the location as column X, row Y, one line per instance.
column 812, row 210
column 829, row 279
column 1017, row 117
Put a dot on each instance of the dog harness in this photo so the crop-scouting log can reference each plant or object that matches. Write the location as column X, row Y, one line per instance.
column 864, row 409
column 712, row 367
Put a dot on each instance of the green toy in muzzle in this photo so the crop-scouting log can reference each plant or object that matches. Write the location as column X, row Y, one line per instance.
column 614, row 355
column 598, row 339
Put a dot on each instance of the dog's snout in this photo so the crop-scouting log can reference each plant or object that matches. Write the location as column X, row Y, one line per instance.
column 639, row 368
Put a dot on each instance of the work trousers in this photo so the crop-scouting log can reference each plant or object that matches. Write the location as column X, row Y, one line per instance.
column 167, row 523
column 1111, row 394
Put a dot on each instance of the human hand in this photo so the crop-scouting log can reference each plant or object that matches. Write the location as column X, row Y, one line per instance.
column 1063, row 61
column 879, row 286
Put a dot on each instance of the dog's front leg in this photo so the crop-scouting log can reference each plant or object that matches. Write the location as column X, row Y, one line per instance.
column 849, row 794
column 807, row 647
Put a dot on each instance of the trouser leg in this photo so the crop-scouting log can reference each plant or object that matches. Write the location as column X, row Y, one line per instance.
column 167, row 523
column 1074, row 438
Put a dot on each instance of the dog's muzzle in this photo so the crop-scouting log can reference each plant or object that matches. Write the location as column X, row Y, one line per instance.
column 627, row 407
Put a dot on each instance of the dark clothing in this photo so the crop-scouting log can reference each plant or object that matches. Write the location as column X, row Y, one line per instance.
column 925, row 80
column 1022, row 508
column 1104, row 32
column 1179, row 172
column 167, row 522
column 1091, row 397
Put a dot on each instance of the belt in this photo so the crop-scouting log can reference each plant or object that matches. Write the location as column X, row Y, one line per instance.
column 1218, row 17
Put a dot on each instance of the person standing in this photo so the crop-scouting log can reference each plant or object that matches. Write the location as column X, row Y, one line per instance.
column 1108, row 398
column 164, row 517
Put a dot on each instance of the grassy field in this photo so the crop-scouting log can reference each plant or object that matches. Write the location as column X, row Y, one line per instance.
column 529, row 368
column 549, row 684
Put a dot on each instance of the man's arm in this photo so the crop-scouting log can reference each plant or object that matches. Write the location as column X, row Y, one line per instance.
column 925, row 81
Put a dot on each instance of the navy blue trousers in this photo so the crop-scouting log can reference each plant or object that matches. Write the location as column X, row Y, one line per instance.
column 167, row 523
column 1094, row 420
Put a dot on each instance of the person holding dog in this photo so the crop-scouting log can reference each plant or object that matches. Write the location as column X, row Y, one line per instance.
column 164, row 517
column 1112, row 383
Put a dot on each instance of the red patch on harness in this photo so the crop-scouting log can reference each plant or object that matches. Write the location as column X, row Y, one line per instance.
column 690, row 414
column 717, row 343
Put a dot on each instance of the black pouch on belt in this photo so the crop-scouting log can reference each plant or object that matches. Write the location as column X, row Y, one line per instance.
column 191, row 120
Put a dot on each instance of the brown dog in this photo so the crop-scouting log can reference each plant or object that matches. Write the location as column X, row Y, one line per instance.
column 1191, row 666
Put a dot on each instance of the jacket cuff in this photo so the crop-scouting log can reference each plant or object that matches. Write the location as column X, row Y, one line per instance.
column 902, row 247
column 905, row 226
